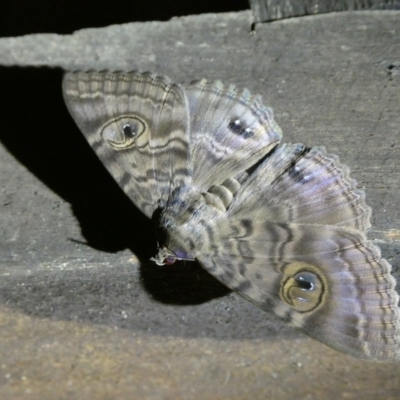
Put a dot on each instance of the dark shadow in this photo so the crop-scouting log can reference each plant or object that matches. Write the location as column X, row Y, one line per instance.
column 98, row 296
column 181, row 283
column 38, row 131
column 22, row 17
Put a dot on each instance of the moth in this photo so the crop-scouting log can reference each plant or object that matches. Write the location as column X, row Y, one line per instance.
column 283, row 225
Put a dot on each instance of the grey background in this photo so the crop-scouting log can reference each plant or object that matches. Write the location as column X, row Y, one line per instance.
column 83, row 314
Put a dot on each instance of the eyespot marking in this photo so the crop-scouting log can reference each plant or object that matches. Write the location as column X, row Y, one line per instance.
column 303, row 289
column 237, row 127
column 121, row 133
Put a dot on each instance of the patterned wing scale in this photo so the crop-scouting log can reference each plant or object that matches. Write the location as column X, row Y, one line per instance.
column 138, row 125
column 282, row 225
column 230, row 131
column 303, row 185
column 329, row 281
column 297, row 249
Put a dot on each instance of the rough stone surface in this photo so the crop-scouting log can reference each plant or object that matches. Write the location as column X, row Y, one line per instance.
column 272, row 10
column 80, row 316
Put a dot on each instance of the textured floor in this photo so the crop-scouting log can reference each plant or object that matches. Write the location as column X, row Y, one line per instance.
column 80, row 316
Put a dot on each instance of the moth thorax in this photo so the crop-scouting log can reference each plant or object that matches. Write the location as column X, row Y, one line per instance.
column 177, row 239
column 184, row 224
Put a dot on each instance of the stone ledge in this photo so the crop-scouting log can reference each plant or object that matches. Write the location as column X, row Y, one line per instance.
column 89, row 319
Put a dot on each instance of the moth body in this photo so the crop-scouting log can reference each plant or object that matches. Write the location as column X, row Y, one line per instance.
column 283, row 225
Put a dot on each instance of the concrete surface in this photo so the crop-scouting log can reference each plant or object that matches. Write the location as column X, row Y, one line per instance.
column 81, row 317
column 272, row 10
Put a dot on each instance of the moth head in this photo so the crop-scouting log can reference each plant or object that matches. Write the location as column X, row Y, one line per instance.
column 164, row 257
column 167, row 257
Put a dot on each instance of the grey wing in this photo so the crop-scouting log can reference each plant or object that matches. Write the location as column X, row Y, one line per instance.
column 303, row 185
column 138, row 124
column 230, row 131
column 296, row 247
